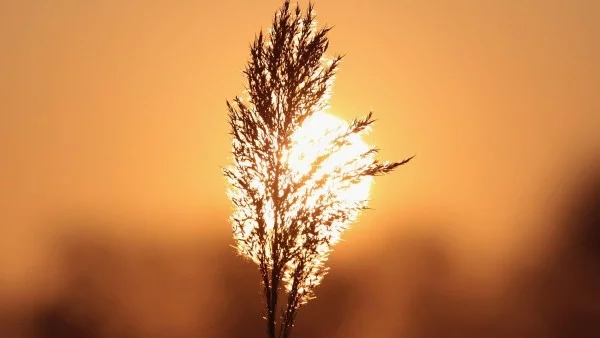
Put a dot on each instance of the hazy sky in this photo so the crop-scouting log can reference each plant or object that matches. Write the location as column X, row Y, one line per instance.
column 118, row 108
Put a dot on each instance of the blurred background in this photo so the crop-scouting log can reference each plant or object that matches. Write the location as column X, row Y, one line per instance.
column 113, row 129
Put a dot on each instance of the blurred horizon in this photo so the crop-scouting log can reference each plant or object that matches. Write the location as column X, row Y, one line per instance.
column 114, row 128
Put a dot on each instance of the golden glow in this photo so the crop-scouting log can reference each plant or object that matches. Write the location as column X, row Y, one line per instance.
column 316, row 134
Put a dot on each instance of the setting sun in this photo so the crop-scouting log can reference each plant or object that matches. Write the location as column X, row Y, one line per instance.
column 316, row 133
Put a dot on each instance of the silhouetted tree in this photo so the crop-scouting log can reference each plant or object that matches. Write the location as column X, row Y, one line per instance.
column 286, row 216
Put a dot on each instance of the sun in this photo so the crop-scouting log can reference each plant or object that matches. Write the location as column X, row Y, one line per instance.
column 316, row 134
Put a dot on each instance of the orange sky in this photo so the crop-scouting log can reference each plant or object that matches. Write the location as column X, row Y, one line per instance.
column 118, row 107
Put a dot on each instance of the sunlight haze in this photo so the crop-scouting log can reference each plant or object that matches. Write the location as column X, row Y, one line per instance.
column 113, row 121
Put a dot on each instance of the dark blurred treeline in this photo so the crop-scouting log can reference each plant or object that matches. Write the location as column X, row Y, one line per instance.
column 412, row 286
